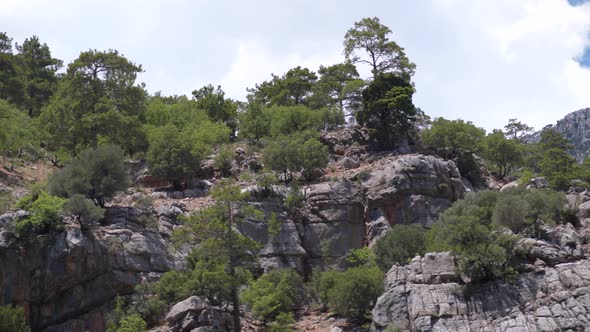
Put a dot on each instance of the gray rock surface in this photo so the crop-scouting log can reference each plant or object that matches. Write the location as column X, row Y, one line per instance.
column 64, row 280
column 410, row 189
column 576, row 128
column 196, row 314
column 426, row 295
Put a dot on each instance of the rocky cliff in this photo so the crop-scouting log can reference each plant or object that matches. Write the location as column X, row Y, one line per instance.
column 576, row 128
column 67, row 281
column 551, row 293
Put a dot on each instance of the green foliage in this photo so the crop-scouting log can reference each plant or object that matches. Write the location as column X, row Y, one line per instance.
column 97, row 101
column 84, row 210
column 294, row 154
column 254, row 122
column 13, row 319
column 38, row 74
column 504, row 153
column 293, row 88
column 44, row 216
column 516, row 130
column 399, row 245
column 360, row 257
column 223, row 160
column 472, row 229
column 282, row 323
column 218, row 108
column 5, row 201
column 383, row 55
column 339, row 86
column 287, row 120
column 273, row 293
column 132, row 323
column 173, row 155
column 355, row 291
column 388, row 110
column 97, row 173
column 17, row 131
column 265, row 181
column 221, row 252
column 453, row 134
column 294, row 199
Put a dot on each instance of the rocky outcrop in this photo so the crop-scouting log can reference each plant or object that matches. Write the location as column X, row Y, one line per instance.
column 576, row 128
column 333, row 221
column 196, row 314
column 410, row 189
column 551, row 295
column 67, row 280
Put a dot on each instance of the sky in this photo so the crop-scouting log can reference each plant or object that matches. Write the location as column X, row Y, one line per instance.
column 484, row 61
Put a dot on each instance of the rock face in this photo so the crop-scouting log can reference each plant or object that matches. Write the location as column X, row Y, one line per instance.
column 77, row 273
column 410, row 189
column 196, row 314
column 554, row 295
column 576, row 128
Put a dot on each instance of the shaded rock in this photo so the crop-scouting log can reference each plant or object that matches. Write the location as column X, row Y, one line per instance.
column 61, row 277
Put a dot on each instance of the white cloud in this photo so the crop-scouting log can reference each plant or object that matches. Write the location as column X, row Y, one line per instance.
column 254, row 64
column 508, row 59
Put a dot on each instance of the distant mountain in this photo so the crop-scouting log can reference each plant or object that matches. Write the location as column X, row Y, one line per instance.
column 576, row 128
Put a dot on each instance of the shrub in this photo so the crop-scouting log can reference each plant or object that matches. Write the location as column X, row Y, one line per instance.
column 282, row 323
column 273, row 293
column 174, row 155
column 132, row 323
column 84, row 210
column 97, row 174
column 401, row 244
column 313, row 155
column 355, row 292
column 360, row 257
column 223, row 160
column 5, row 201
column 265, row 181
column 510, row 211
column 13, row 319
column 44, row 216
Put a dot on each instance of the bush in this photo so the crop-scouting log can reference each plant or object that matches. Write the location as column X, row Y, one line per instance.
column 44, row 216
column 313, row 154
column 223, row 160
column 399, row 245
column 355, row 291
column 13, row 319
column 360, row 257
column 265, row 181
column 97, row 174
column 273, row 293
column 132, row 323
column 510, row 211
column 84, row 210
column 173, row 155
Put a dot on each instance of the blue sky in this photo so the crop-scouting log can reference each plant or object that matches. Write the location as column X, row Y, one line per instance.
column 484, row 61
column 585, row 58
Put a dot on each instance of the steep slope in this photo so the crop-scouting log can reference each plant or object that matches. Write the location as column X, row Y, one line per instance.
column 576, row 128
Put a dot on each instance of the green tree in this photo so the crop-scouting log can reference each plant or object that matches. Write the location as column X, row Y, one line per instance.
column 516, row 129
column 215, row 231
column 218, row 108
column 293, row 88
column 504, row 153
column 17, row 131
column 174, row 155
column 97, row 101
column 388, row 110
column 254, row 122
column 384, row 56
column 341, row 85
column 11, row 87
column 453, row 134
column 273, row 293
column 38, row 72
column 98, row 174
column 399, row 245
column 353, row 293
column 13, row 319
column 312, row 154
